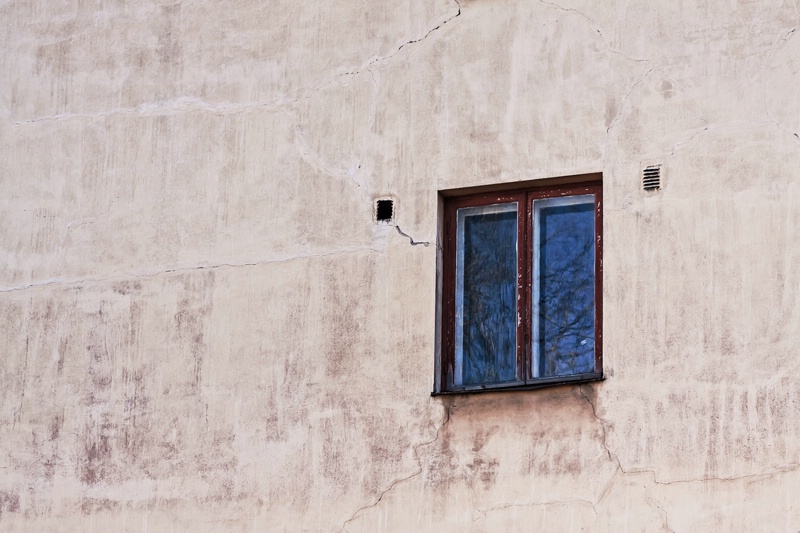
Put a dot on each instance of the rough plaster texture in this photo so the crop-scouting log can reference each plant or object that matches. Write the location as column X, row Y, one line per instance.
column 203, row 330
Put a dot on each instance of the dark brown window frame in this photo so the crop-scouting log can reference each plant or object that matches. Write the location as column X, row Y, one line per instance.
column 524, row 195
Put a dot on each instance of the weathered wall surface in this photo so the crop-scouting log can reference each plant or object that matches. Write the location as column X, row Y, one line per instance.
column 201, row 328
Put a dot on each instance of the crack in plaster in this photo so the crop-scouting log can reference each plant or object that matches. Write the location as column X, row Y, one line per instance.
column 298, row 94
column 173, row 106
column 625, row 99
column 503, row 507
column 781, row 127
column 780, row 42
column 184, row 104
column 618, row 116
column 319, row 162
column 82, row 222
column 381, row 59
column 782, row 469
column 733, row 126
column 596, row 28
column 447, row 416
column 410, row 238
column 129, row 276
column 681, row 144
column 661, row 511
column 314, row 158
column 603, row 439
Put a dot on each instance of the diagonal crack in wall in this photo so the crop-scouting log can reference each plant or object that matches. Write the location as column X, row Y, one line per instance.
column 381, row 59
column 189, row 103
column 597, row 30
column 614, row 458
column 128, row 276
column 447, row 416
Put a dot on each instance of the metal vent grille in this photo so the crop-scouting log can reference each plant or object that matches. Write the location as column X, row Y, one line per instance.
column 651, row 178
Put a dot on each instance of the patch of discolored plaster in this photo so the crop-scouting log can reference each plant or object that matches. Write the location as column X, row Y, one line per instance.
column 447, row 405
column 9, row 503
column 97, row 464
column 169, row 56
column 191, row 321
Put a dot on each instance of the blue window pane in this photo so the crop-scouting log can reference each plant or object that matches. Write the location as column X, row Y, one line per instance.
column 563, row 286
column 486, row 294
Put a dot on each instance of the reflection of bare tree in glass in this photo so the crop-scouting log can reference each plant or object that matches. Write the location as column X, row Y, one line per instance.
column 490, row 267
column 566, row 290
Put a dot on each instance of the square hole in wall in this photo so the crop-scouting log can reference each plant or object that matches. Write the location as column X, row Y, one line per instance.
column 384, row 210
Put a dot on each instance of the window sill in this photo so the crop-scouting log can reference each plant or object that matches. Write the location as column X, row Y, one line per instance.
column 533, row 384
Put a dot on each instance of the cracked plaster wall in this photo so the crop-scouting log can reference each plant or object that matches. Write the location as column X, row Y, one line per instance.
column 203, row 330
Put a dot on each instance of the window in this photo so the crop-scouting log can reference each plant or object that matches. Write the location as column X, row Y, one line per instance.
column 521, row 288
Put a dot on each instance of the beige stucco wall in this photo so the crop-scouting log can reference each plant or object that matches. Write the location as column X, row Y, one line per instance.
column 202, row 329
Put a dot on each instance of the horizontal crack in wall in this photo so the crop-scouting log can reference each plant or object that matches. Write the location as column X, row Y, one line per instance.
column 178, row 269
